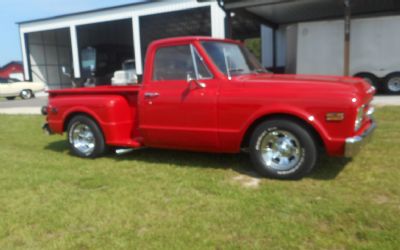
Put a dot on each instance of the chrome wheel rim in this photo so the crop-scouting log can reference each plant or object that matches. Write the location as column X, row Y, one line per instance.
column 394, row 84
column 280, row 150
column 26, row 94
column 82, row 138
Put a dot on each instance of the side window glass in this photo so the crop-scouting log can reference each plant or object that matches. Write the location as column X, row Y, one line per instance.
column 173, row 63
column 202, row 70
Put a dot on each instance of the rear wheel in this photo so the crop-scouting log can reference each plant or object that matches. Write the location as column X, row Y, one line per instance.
column 10, row 98
column 85, row 137
column 392, row 83
column 26, row 94
column 283, row 149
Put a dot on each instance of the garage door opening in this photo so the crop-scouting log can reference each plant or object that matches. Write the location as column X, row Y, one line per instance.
column 262, row 37
column 105, row 48
column 47, row 51
column 248, row 31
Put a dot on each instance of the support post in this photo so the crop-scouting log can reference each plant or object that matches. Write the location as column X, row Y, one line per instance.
column 217, row 21
column 25, row 56
column 137, row 45
column 75, row 51
column 228, row 20
column 347, row 32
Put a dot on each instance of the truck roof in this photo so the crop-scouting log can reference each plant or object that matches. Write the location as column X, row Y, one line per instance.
column 190, row 39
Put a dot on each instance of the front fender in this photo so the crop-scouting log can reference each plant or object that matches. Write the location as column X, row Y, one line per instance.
column 308, row 117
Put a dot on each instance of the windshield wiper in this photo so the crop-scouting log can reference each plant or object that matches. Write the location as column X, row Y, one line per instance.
column 260, row 71
column 236, row 70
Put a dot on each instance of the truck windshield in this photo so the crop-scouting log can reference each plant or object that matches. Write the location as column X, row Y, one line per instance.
column 232, row 59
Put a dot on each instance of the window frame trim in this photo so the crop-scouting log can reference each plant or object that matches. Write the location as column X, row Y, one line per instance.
column 192, row 48
column 196, row 67
column 153, row 80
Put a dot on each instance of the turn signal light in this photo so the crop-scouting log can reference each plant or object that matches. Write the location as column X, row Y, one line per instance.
column 334, row 116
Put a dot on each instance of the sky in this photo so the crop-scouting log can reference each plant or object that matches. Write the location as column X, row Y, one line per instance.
column 13, row 11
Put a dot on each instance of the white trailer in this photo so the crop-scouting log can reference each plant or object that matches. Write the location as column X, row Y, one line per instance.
column 318, row 48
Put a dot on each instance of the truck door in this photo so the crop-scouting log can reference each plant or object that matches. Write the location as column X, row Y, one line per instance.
column 178, row 106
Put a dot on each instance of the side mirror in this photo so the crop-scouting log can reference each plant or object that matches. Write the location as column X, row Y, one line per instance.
column 66, row 71
column 189, row 77
column 191, row 80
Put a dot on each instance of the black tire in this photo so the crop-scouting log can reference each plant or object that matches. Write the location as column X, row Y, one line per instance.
column 370, row 78
column 10, row 98
column 26, row 94
column 392, row 83
column 297, row 147
column 82, row 124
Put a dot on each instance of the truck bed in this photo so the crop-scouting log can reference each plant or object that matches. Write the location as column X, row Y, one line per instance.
column 114, row 108
column 96, row 90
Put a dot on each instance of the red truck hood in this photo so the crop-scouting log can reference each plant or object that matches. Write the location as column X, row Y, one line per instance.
column 326, row 83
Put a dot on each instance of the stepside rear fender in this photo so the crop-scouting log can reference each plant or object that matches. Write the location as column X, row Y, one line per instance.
column 115, row 114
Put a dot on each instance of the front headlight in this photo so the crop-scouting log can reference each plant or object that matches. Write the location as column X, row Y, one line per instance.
column 359, row 118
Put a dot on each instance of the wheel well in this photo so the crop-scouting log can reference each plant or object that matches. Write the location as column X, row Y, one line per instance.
column 253, row 126
column 365, row 73
column 72, row 115
column 392, row 73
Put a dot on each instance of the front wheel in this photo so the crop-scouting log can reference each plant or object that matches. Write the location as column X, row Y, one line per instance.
column 283, row 149
column 26, row 94
column 85, row 137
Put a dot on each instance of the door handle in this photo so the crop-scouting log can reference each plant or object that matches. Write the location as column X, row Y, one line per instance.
column 151, row 94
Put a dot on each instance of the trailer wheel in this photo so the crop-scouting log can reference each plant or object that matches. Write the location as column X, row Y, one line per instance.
column 283, row 149
column 392, row 83
column 370, row 78
column 85, row 137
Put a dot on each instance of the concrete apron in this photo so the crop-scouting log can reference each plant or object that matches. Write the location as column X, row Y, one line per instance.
column 21, row 111
column 380, row 101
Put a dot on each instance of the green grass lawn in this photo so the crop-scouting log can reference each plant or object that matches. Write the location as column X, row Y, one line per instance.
column 159, row 199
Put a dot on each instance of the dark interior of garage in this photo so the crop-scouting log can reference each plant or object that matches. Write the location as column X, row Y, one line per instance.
column 190, row 22
column 103, row 48
column 47, row 51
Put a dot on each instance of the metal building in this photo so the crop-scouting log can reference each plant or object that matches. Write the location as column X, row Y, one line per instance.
column 124, row 32
column 121, row 33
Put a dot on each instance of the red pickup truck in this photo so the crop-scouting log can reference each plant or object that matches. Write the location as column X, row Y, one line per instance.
column 206, row 94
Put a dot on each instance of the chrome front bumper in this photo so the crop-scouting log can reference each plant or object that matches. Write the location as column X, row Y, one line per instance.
column 354, row 144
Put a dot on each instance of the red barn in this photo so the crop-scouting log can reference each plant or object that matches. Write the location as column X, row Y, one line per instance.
column 12, row 69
